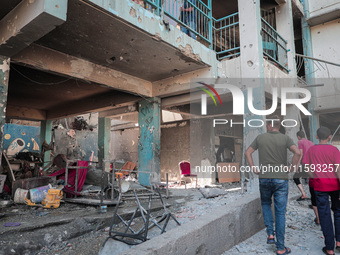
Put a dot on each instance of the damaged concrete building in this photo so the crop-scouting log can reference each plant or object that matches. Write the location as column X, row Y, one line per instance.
column 135, row 65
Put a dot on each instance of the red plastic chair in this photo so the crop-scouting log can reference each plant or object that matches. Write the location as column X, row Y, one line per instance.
column 185, row 171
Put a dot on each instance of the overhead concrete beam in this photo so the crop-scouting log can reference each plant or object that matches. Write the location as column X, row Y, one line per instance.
column 281, row 2
column 49, row 60
column 132, row 117
column 297, row 9
column 28, row 22
column 124, row 126
column 181, row 109
column 118, row 112
column 98, row 103
column 180, row 100
column 323, row 16
column 19, row 112
column 180, row 84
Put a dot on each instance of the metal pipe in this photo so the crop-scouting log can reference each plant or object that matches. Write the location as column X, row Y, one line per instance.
column 112, row 177
column 76, row 181
column 66, row 174
column 102, row 188
column 167, row 185
column 334, row 134
column 317, row 59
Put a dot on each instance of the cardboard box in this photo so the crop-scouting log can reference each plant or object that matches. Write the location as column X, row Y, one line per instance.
column 232, row 173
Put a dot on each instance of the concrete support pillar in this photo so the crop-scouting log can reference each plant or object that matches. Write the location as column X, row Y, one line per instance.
column 309, row 71
column 284, row 26
column 46, row 136
column 104, row 141
column 149, row 143
column 252, row 72
column 4, row 77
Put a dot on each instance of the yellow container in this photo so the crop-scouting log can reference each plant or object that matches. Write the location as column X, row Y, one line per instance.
column 52, row 199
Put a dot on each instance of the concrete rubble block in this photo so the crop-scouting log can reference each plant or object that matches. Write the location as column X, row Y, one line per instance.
column 211, row 233
column 212, row 192
column 113, row 247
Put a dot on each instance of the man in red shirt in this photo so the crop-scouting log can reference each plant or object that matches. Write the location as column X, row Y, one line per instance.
column 322, row 163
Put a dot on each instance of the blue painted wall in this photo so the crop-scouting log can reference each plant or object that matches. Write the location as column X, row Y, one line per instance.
column 19, row 138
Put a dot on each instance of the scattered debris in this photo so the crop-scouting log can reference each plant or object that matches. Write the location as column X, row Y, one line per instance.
column 12, row 224
column 212, row 192
column 303, row 236
column 81, row 124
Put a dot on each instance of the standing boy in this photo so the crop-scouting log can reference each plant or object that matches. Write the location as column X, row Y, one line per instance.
column 322, row 163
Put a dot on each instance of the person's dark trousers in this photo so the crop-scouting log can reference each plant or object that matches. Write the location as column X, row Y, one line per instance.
column 279, row 189
column 324, row 210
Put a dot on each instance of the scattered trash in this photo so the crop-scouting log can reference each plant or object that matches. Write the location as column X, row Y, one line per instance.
column 39, row 213
column 37, row 195
column 103, row 208
column 20, row 195
column 12, row 224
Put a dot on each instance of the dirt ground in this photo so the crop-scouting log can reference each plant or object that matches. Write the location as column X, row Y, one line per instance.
column 86, row 234
column 186, row 206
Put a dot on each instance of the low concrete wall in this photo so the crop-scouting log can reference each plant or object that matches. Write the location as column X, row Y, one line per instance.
column 210, row 234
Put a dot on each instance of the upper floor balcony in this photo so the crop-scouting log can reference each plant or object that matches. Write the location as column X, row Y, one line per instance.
column 215, row 24
column 142, row 41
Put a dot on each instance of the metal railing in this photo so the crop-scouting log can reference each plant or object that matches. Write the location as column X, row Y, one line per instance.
column 226, row 39
column 194, row 16
column 152, row 5
column 195, row 19
column 274, row 45
column 269, row 16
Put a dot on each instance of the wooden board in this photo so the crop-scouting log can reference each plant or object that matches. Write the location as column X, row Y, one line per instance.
column 128, row 166
column 10, row 173
column 229, row 176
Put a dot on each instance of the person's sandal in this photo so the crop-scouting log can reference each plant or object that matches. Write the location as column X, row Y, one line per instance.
column 318, row 224
column 270, row 240
column 287, row 251
column 325, row 251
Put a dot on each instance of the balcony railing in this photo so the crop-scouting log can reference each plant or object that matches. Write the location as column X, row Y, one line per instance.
column 226, row 36
column 274, row 45
column 195, row 19
column 194, row 16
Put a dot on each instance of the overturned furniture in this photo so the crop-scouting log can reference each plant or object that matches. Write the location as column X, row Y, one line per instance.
column 131, row 236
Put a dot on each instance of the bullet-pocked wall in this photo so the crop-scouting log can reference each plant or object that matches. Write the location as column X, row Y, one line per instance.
column 175, row 146
column 124, row 144
column 328, row 95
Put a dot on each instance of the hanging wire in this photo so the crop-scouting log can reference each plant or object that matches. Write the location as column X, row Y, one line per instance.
column 41, row 83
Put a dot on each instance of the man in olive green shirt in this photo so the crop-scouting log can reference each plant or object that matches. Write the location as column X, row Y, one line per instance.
column 273, row 170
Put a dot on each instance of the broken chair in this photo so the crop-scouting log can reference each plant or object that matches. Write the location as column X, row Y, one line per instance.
column 131, row 236
column 185, row 173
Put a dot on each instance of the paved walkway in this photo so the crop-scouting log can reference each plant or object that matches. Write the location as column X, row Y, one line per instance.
column 302, row 234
